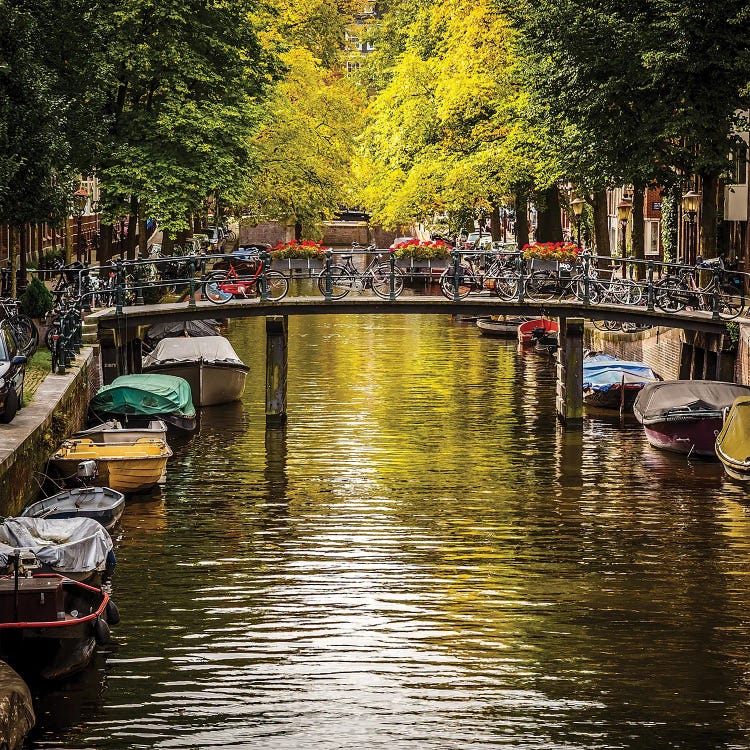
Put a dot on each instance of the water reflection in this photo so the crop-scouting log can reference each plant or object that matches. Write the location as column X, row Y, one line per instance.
column 423, row 556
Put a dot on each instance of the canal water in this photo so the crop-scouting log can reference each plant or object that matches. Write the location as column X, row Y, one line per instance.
column 422, row 559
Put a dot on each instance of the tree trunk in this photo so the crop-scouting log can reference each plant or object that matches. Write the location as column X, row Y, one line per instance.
column 142, row 231
column 298, row 231
column 637, row 237
column 601, row 226
column 22, row 240
column 132, row 229
column 549, row 220
column 105, row 245
column 708, row 215
column 522, row 220
column 167, row 242
column 496, row 225
column 12, row 264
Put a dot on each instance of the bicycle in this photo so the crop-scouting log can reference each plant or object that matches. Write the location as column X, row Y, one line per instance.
column 23, row 326
column 221, row 286
column 501, row 277
column 679, row 290
column 346, row 278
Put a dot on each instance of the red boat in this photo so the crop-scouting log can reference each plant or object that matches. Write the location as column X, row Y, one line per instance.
column 527, row 328
column 50, row 625
column 685, row 416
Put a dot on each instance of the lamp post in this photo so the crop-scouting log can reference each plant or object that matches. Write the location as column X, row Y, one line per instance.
column 624, row 207
column 577, row 206
column 80, row 199
column 690, row 204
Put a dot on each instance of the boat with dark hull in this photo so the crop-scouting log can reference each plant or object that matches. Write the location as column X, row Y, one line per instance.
column 136, row 400
column 500, row 327
column 733, row 442
column 685, row 416
column 532, row 331
column 50, row 625
column 612, row 383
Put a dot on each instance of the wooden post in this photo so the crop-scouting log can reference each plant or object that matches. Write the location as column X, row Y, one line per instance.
column 110, row 356
column 570, row 373
column 276, row 369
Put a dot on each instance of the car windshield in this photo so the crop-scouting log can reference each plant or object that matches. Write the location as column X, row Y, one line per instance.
column 4, row 354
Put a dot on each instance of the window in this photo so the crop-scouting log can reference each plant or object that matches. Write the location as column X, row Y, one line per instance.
column 738, row 165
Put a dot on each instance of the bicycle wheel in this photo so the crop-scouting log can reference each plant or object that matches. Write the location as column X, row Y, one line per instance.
column 606, row 325
column 541, row 286
column 731, row 302
column 278, row 285
column 625, row 292
column 212, row 290
column 52, row 331
column 452, row 285
column 670, row 294
column 230, row 236
column 381, row 281
column 26, row 334
column 506, row 285
column 342, row 281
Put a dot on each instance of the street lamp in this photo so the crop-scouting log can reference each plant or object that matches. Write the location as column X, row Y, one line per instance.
column 577, row 206
column 624, row 207
column 690, row 203
column 80, row 199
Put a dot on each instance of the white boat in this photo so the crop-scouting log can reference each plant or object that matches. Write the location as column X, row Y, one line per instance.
column 112, row 432
column 209, row 363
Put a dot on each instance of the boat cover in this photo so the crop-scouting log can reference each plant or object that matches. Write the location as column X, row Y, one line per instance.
column 658, row 401
column 602, row 372
column 206, row 348
column 67, row 545
column 207, row 327
column 734, row 439
column 145, row 395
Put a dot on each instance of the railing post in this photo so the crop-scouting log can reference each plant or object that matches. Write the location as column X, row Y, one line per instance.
column 139, row 282
column 392, row 279
column 327, row 271
column 265, row 260
column 119, row 290
column 456, row 269
column 191, row 271
column 650, row 297
column 586, row 267
column 715, row 296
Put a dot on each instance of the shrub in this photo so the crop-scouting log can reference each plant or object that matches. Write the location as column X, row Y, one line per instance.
column 37, row 300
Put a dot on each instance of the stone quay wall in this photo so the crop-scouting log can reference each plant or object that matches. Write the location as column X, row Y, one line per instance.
column 57, row 409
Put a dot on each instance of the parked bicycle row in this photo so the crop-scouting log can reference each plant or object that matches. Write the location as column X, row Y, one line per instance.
column 508, row 275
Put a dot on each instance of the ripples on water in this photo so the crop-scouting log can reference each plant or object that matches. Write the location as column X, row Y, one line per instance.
column 422, row 558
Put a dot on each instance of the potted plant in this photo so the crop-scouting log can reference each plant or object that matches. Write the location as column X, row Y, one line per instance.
column 415, row 253
column 37, row 301
column 548, row 255
column 298, row 254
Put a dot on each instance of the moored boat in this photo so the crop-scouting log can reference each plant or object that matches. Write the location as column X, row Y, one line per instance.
column 102, row 504
column 50, row 624
column 78, row 548
column 209, row 364
column 733, row 441
column 612, row 383
column 499, row 326
column 685, row 416
column 542, row 327
column 112, row 432
column 124, row 467
column 135, row 400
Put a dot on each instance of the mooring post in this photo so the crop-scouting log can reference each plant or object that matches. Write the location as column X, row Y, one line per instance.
column 276, row 369
column 570, row 372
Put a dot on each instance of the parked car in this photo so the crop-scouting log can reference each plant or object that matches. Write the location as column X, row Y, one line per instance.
column 216, row 239
column 12, row 373
column 477, row 240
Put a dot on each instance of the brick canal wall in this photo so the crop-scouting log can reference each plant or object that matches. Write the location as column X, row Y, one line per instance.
column 675, row 354
column 57, row 409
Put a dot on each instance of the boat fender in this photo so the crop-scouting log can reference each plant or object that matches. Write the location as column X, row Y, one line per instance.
column 112, row 613
column 101, row 631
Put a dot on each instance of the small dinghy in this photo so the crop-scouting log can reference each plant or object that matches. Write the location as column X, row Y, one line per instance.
column 102, row 504
column 112, row 432
column 612, row 383
column 529, row 330
column 499, row 327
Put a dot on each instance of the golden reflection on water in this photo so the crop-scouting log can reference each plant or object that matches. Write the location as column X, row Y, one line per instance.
column 424, row 556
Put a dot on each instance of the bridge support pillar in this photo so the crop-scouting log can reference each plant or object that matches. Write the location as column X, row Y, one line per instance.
column 276, row 369
column 570, row 373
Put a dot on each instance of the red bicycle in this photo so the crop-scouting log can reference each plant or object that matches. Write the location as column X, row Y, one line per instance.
column 221, row 286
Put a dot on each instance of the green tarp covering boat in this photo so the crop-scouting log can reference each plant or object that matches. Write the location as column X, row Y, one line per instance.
column 130, row 398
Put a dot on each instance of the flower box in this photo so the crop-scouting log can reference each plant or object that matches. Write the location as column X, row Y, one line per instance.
column 544, row 264
column 298, row 264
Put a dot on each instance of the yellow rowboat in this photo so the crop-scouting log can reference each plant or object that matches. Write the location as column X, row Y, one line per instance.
column 733, row 442
column 125, row 467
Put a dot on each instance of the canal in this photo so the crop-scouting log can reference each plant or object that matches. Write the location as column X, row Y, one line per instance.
column 422, row 559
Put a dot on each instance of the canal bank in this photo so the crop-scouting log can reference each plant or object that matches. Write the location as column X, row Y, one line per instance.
column 58, row 408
